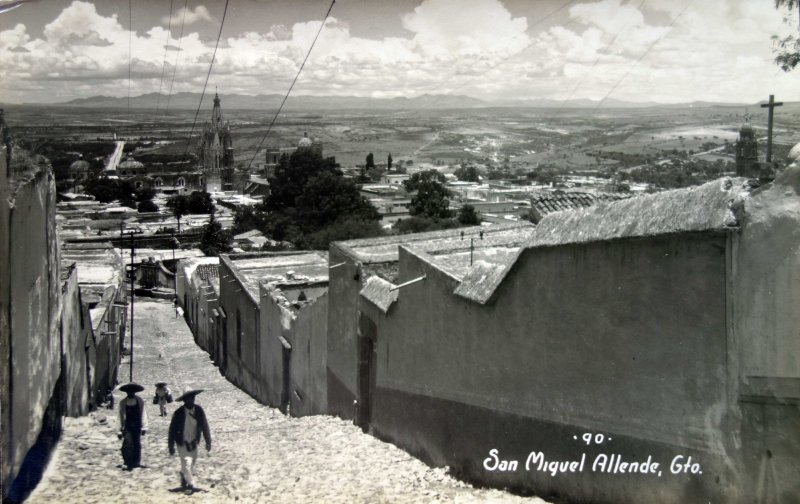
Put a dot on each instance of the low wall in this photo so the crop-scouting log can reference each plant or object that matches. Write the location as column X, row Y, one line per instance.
column 540, row 364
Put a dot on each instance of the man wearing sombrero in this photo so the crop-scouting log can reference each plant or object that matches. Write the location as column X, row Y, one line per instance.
column 162, row 397
column 132, row 425
column 187, row 425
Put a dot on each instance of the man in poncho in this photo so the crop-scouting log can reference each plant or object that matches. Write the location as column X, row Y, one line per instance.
column 187, row 426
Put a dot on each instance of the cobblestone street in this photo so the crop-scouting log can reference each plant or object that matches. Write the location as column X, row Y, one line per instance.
column 258, row 454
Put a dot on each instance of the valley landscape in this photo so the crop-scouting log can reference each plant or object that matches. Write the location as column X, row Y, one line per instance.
column 565, row 138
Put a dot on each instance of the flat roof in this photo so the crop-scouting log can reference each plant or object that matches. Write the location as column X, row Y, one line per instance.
column 301, row 268
column 385, row 248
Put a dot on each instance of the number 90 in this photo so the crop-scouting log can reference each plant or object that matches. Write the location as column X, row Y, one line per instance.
column 597, row 438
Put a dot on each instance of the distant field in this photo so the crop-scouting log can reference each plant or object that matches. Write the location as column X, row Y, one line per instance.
column 566, row 139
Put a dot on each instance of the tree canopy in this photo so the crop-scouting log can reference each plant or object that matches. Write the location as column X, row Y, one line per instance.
column 215, row 240
column 788, row 48
column 432, row 199
column 311, row 204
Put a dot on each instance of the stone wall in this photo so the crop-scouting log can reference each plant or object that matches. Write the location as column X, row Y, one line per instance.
column 29, row 308
column 76, row 338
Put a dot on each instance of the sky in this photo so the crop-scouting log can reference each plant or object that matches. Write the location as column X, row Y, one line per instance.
column 667, row 51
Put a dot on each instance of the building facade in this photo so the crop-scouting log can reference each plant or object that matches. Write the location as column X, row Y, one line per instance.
column 216, row 151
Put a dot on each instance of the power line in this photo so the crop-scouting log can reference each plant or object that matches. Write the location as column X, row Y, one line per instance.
column 292, row 86
column 210, row 66
column 130, row 38
column 492, row 67
column 640, row 58
column 177, row 56
column 164, row 65
column 580, row 81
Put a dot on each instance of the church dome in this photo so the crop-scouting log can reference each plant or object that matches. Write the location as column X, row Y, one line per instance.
column 305, row 141
column 130, row 163
column 747, row 131
column 79, row 165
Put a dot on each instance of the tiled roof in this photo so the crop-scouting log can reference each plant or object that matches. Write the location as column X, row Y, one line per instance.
column 569, row 201
column 208, row 272
column 711, row 206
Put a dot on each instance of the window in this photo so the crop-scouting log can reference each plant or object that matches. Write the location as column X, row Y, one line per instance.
column 238, row 333
column 181, row 182
column 158, row 182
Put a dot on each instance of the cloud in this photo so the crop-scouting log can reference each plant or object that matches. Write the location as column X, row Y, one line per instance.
column 716, row 48
column 200, row 13
column 441, row 30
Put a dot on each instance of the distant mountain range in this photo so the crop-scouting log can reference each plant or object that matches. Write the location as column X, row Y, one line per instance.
column 189, row 101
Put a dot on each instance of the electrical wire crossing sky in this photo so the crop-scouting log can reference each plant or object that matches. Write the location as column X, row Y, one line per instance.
column 663, row 51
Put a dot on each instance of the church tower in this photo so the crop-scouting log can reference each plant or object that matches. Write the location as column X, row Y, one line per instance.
column 747, row 153
column 216, row 151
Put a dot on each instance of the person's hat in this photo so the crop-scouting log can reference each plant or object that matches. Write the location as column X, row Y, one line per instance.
column 131, row 387
column 161, row 384
column 189, row 393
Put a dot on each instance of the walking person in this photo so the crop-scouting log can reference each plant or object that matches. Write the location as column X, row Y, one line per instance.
column 132, row 425
column 162, row 397
column 188, row 424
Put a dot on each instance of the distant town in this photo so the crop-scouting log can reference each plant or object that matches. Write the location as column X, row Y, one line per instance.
column 424, row 251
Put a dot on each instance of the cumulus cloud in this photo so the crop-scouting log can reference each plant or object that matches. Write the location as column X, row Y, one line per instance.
column 442, row 29
column 716, row 49
column 189, row 17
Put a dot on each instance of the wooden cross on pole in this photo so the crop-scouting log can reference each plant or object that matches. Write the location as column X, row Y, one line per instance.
column 771, row 106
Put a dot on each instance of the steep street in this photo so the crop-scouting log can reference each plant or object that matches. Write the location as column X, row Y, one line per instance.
column 258, row 454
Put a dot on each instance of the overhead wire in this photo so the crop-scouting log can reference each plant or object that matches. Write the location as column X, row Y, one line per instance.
column 130, row 43
column 208, row 75
column 177, row 56
column 640, row 58
column 492, row 67
column 272, row 123
column 164, row 65
column 596, row 61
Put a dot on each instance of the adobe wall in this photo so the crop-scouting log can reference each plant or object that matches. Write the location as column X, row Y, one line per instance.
column 74, row 334
column 108, row 332
column 541, row 366
column 766, row 318
column 274, row 323
column 308, row 337
column 242, row 367
column 5, row 320
column 345, row 283
column 30, row 310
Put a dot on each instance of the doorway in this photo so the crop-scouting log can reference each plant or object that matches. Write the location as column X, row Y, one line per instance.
column 367, row 372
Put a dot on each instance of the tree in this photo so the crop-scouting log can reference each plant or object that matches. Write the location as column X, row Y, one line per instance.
column 467, row 174
column 389, row 161
column 215, row 240
column 106, row 190
column 200, row 202
column 467, row 216
column 179, row 204
column 432, row 199
column 370, row 161
column 788, row 48
column 311, row 203
column 147, row 206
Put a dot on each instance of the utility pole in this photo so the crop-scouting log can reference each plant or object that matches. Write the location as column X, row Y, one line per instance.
column 133, row 295
column 771, row 106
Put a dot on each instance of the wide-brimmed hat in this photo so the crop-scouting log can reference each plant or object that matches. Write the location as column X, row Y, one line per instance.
column 161, row 384
column 188, row 393
column 131, row 387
